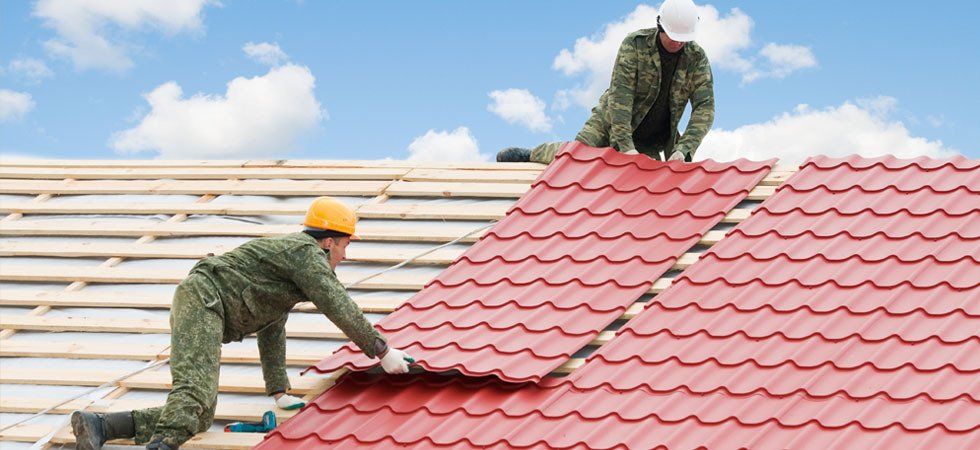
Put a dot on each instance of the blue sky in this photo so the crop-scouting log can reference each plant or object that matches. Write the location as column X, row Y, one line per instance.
column 400, row 79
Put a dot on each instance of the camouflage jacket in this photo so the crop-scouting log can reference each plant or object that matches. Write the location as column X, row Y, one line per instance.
column 634, row 88
column 260, row 281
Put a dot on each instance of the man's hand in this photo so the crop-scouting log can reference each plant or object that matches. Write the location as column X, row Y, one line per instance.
column 676, row 156
column 396, row 361
column 286, row 401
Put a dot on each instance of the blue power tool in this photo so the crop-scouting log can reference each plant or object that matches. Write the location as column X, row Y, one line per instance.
column 267, row 424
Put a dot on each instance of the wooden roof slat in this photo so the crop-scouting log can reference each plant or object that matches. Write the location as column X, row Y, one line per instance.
column 314, row 329
column 444, row 256
column 456, row 189
column 206, row 440
column 224, row 410
column 264, row 163
column 355, row 253
column 30, row 272
column 227, row 382
column 141, row 352
column 195, row 187
column 26, row 297
column 470, row 176
column 366, row 231
column 324, row 330
column 376, row 211
column 203, row 173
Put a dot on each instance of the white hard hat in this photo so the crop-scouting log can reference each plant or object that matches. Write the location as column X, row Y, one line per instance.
column 679, row 18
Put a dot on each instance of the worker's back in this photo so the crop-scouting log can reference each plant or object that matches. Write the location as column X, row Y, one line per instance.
column 255, row 281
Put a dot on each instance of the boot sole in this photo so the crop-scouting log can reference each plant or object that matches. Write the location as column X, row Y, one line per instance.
column 78, row 427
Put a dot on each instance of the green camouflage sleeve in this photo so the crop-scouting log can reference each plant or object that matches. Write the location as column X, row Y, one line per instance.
column 622, row 89
column 272, row 353
column 702, row 109
column 320, row 285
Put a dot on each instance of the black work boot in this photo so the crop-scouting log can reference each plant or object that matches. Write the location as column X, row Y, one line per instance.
column 514, row 154
column 89, row 430
column 92, row 430
column 159, row 445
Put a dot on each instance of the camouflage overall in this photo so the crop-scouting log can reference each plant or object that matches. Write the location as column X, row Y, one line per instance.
column 632, row 91
column 225, row 298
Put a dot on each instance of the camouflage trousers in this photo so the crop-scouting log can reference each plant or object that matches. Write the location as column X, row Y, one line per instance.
column 195, row 351
column 595, row 133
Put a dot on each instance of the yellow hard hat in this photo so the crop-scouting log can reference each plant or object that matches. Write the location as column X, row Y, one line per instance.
column 328, row 214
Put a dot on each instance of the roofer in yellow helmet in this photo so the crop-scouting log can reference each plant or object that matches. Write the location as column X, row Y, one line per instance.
column 250, row 289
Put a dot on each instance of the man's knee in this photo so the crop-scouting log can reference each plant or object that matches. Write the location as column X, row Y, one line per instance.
column 545, row 153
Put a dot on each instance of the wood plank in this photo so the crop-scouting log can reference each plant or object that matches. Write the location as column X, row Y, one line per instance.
column 207, row 173
column 775, row 178
column 299, row 163
column 194, row 187
column 432, row 211
column 265, row 163
column 712, row 237
column 246, row 384
column 737, row 215
column 317, row 330
column 25, row 297
column 378, row 211
column 660, row 285
column 140, row 352
column 207, row 440
column 761, row 192
column 444, row 256
column 225, row 410
column 497, row 190
column 471, row 176
column 367, row 232
column 451, row 189
column 570, row 366
column 48, row 273
column 441, row 257
column 355, row 253
column 156, row 208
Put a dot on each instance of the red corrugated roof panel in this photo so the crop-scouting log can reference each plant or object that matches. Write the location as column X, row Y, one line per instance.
column 776, row 339
column 596, row 229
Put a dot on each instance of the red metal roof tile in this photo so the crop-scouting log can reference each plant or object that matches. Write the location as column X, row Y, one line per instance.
column 901, row 299
column 514, row 306
column 603, row 297
column 430, row 411
column 804, row 328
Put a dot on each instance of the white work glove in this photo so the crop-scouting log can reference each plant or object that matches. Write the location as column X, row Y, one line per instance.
column 395, row 361
column 676, row 156
column 631, row 152
column 287, row 401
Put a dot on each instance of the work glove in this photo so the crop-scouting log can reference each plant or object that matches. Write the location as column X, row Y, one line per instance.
column 396, row 361
column 676, row 156
column 288, row 402
column 631, row 152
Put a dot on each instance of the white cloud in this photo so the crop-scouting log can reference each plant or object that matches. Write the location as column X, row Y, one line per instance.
column 520, row 107
column 31, row 70
column 83, row 26
column 446, row 146
column 14, row 105
column 782, row 60
column 865, row 127
column 266, row 53
column 259, row 116
column 726, row 39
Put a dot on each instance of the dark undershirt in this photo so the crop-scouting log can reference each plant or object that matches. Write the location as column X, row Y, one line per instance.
column 654, row 130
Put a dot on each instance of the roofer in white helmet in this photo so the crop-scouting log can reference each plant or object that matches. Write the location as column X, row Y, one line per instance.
column 658, row 71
